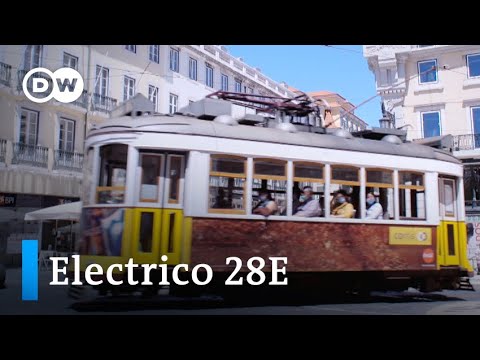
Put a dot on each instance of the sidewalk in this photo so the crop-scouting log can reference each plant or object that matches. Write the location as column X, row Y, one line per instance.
column 51, row 299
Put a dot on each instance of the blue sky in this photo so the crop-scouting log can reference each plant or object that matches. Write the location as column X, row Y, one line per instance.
column 317, row 67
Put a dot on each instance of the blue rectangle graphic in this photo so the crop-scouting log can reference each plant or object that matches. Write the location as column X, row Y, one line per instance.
column 30, row 270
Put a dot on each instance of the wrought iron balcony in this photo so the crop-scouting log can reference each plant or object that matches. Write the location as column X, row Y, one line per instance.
column 3, row 150
column 30, row 155
column 103, row 103
column 82, row 101
column 21, row 74
column 67, row 160
column 5, row 74
column 466, row 142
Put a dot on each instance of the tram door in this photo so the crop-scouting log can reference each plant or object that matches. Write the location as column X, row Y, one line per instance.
column 157, row 222
column 449, row 249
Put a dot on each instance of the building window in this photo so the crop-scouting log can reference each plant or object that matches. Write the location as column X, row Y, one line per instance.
column 431, row 124
column 154, row 53
column 101, row 77
column 132, row 48
column 224, row 86
column 174, row 59
column 250, row 90
column 475, row 114
column 70, row 61
column 427, row 71
column 128, row 87
column 227, row 184
column 209, row 75
column 238, row 85
column 33, row 57
column 473, row 64
column 66, row 137
column 192, row 69
column 28, row 127
column 173, row 104
column 411, row 195
column 153, row 95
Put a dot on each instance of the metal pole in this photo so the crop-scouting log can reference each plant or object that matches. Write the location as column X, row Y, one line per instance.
column 71, row 236
column 56, row 235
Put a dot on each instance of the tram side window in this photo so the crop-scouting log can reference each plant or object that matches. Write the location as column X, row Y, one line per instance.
column 146, row 232
column 308, row 175
column 380, row 184
column 345, row 184
column 113, row 174
column 270, row 176
column 88, row 183
column 227, row 184
column 151, row 166
column 175, row 174
column 412, row 195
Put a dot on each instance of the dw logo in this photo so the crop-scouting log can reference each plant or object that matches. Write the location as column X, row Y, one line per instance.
column 66, row 85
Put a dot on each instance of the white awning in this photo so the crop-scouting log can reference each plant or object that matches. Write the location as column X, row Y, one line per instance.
column 70, row 211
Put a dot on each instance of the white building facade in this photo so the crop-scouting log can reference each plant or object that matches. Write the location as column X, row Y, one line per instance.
column 433, row 90
column 41, row 145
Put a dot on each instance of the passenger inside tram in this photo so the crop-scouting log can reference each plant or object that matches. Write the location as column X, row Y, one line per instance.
column 374, row 208
column 267, row 206
column 340, row 206
column 309, row 206
column 221, row 202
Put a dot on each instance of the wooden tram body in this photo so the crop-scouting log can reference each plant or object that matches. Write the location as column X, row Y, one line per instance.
column 152, row 184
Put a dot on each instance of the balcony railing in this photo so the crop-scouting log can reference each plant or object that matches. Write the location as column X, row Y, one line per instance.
column 82, row 101
column 68, row 160
column 21, row 75
column 466, row 142
column 103, row 103
column 3, row 150
column 30, row 155
column 5, row 74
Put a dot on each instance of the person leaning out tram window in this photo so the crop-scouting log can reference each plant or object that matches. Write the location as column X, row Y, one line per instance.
column 267, row 206
column 340, row 206
column 374, row 209
column 309, row 207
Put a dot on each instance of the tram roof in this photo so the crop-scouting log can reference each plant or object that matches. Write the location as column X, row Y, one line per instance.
column 181, row 124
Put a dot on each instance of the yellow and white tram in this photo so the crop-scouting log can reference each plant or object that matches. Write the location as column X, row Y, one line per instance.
column 184, row 187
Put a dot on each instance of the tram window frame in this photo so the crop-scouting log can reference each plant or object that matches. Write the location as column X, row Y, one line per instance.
column 447, row 212
column 270, row 177
column 88, row 176
column 345, row 183
column 374, row 186
column 299, row 182
column 160, row 177
column 168, row 177
column 229, row 175
column 146, row 234
column 105, row 175
column 418, row 189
